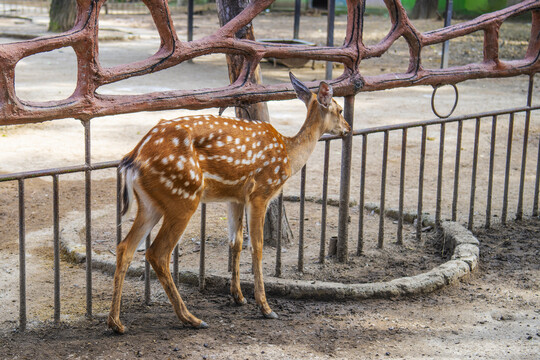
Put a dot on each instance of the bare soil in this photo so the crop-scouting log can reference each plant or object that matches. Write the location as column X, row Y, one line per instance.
column 492, row 315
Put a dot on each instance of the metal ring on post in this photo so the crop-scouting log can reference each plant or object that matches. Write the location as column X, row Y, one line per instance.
column 433, row 101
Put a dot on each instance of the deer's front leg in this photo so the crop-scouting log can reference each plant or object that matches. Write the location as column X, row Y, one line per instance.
column 256, row 213
column 236, row 212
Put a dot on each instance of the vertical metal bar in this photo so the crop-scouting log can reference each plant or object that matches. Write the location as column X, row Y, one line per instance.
column 278, row 245
column 56, row 249
column 324, row 200
column 147, row 294
column 507, row 169
column 536, row 184
column 440, row 177
column 473, row 175
column 302, row 216
column 456, row 171
column 175, row 264
column 491, row 169
column 421, row 185
column 537, row 181
column 380, row 243
column 402, row 186
column 22, row 259
column 360, row 246
column 88, row 212
column 345, row 184
column 296, row 26
column 202, row 263
column 330, row 34
column 190, row 21
column 447, row 22
column 519, row 213
column 118, row 206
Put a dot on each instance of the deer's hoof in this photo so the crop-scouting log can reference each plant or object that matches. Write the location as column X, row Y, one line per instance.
column 271, row 315
column 116, row 326
column 239, row 300
column 202, row 325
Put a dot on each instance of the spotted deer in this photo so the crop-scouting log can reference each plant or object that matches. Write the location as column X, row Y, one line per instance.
column 194, row 159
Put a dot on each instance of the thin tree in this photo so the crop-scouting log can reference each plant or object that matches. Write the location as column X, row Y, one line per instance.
column 227, row 10
column 425, row 9
column 62, row 15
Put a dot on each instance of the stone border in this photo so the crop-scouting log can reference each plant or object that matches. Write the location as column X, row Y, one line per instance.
column 459, row 241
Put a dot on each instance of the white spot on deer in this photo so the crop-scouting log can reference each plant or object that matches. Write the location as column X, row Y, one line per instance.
column 201, row 157
column 269, row 181
column 208, row 146
column 237, row 141
column 155, row 130
column 164, row 161
column 192, row 174
column 158, row 141
column 171, row 157
column 219, row 143
column 286, row 160
column 249, row 153
column 220, row 179
column 192, row 161
column 186, row 141
column 236, row 162
column 266, row 163
column 243, row 148
column 186, row 184
column 276, row 170
column 273, row 159
column 230, row 159
column 229, row 138
column 175, row 141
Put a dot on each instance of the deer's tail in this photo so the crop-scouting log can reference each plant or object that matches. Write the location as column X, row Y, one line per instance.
column 129, row 169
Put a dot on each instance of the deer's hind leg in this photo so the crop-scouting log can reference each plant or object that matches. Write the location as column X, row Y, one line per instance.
column 235, row 214
column 159, row 256
column 147, row 217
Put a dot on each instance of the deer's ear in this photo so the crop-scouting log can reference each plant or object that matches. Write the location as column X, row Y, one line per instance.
column 324, row 97
column 302, row 91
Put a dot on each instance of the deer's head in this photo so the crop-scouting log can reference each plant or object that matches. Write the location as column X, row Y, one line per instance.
column 330, row 111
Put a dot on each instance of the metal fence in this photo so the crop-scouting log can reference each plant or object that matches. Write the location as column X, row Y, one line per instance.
column 113, row 7
column 512, row 185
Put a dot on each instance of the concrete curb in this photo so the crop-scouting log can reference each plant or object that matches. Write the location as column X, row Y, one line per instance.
column 460, row 242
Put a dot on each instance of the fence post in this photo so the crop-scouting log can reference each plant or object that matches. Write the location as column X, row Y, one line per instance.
column 344, row 191
column 88, row 212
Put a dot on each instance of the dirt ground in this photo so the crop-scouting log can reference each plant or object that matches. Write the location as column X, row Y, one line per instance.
column 492, row 315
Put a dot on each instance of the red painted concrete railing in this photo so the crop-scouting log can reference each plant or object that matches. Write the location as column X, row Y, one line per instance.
column 85, row 103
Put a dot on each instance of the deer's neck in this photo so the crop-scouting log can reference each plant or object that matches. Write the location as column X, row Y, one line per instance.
column 300, row 146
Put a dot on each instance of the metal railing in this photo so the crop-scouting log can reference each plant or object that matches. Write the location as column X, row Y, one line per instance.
column 462, row 173
column 113, row 7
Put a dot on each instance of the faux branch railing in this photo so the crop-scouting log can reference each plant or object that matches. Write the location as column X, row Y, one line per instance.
column 86, row 102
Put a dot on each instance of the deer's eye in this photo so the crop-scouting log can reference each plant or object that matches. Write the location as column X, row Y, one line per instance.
column 340, row 111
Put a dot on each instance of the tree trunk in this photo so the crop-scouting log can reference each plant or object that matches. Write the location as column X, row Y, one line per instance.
column 227, row 10
column 425, row 9
column 62, row 14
